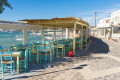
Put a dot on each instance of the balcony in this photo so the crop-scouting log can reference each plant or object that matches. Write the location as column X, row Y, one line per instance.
column 116, row 23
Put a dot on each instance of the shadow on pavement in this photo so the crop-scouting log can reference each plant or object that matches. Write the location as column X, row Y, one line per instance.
column 97, row 46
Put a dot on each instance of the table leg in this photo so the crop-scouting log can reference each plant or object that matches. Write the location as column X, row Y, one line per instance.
column 37, row 56
column 18, row 64
column 50, row 56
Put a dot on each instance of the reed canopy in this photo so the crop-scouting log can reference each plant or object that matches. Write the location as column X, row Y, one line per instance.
column 67, row 22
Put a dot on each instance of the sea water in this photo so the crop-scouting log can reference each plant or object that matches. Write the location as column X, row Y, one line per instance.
column 8, row 39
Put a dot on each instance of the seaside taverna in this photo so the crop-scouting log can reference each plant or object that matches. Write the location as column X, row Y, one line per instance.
column 22, row 55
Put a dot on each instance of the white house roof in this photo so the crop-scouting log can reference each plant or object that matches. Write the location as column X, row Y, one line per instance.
column 114, row 13
column 104, row 19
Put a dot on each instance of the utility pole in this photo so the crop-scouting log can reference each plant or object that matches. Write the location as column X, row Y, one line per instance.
column 95, row 19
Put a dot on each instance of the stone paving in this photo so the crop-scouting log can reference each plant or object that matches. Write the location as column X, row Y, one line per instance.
column 108, row 62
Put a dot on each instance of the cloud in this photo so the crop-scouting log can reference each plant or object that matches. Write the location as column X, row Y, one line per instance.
column 102, row 13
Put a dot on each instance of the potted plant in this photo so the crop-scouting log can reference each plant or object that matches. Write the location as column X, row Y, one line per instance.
column 88, row 40
column 71, row 52
column 85, row 44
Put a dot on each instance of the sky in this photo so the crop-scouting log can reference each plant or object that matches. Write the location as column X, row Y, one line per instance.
column 47, row 9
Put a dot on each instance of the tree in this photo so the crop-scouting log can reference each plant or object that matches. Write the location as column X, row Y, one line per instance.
column 3, row 5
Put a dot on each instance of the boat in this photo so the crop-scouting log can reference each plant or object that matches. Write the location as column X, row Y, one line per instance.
column 33, row 33
column 18, row 38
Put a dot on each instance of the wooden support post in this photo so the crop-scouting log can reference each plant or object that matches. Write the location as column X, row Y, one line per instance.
column 43, row 34
column 25, row 36
column 104, row 32
column 81, row 37
column 54, row 33
column 67, row 34
column 62, row 32
column 112, row 31
column 74, row 40
column 86, row 34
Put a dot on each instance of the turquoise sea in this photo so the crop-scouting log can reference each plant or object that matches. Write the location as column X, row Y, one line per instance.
column 9, row 38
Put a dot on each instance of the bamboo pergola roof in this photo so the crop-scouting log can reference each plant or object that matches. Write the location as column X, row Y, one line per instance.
column 57, row 22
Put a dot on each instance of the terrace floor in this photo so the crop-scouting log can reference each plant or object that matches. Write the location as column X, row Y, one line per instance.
column 100, row 62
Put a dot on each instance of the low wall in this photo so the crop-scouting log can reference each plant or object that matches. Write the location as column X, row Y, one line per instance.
column 115, row 35
column 101, row 36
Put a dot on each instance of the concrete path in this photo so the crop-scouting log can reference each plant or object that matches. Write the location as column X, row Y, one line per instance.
column 106, row 60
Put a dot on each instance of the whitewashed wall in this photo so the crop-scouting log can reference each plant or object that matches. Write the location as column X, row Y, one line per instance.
column 115, row 35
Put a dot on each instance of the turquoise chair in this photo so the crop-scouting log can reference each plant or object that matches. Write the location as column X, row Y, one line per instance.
column 20, row 48
column 11, row 48
column 53, row 50
column 47, row 44
column 33, row 54
column 39, row 44
column 7, row 64
column 67, row 48
column 60, row 50
column 24, row 61
column 44, row 55
column 71, row 43
column 77, row 43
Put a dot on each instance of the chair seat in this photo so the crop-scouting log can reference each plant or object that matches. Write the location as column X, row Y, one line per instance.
column 21, row 58
column 22, row 49
column 34, row 53
column 43, row 54
column 59, row 49
column 7, row 62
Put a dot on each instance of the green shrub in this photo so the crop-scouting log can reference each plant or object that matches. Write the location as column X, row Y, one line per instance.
column 71, row 49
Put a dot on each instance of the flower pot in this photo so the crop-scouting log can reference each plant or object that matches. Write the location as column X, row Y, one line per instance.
column 70, row 53
column 85, row 46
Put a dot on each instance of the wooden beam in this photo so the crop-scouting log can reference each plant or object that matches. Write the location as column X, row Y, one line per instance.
column 81, row 37
column 54, row 33
column 25, row 36
column 62, row 32
column 67, row 33
column 104, row 31
column 86, row 34
column 43, row 34
column 74, row 40
column 81, row 24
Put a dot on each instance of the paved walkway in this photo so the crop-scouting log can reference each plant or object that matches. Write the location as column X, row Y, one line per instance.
column 100, row 62
column 105, row 64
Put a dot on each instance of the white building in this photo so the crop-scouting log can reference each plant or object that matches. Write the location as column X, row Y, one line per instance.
column 104, row 28
column 110, row 27
column 115, row 18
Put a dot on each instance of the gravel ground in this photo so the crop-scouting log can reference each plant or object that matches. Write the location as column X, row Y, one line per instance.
column 102, row 63
column 63, row 71
column 115, row 76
